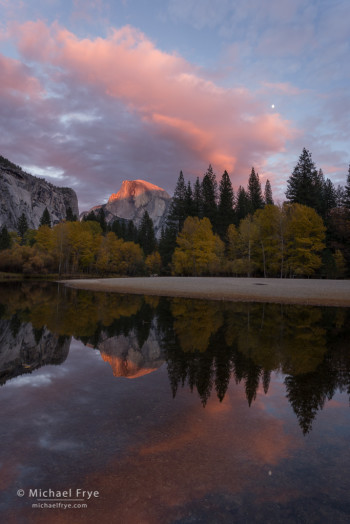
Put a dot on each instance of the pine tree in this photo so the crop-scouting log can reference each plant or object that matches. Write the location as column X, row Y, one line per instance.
column 209, row 192
column 90, row 216
column 189, row 205
column 45, row 218
column 70, row 217
column 242, row 204
column 101, row 218
column 339, row 194
column 346, row 197
column 268, row 193
column 5, row 239
column 177, row 215
column 147, row 239
column 329, row 198
column 131, row 233
column 226, row 205
column 22, row 225
column 305, row 185
column 167, row 245
column 254, row 192
column 198, row 199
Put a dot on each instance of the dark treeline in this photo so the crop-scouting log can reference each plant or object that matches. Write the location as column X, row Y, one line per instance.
column 205, row 344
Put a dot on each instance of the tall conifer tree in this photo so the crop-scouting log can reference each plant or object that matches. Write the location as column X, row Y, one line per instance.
column 22, row 225
column 147, row 239
column 268, row 193
column 305, row 185
column 242, row 204
column 254, row 192
column 45, row 218
column 329, row 198
column 189, row 205
column 209, row 191
column 198, row 199
column 5, row 239
column 177, row 213
column 346, row 197
column 226, row 205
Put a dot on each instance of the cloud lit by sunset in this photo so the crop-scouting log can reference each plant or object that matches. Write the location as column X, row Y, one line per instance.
column 149, row 107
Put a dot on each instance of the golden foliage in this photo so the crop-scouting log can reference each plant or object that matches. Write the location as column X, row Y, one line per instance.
column 199, row 251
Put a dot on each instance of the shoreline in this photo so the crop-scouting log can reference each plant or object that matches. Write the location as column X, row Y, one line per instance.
column 315, row 292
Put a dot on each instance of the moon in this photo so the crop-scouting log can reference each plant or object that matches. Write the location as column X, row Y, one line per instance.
column 272, row 106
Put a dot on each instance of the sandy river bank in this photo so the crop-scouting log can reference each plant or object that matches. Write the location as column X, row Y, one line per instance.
column 292, row 291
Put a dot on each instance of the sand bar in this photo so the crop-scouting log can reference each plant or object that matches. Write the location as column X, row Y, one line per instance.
column 288, row 291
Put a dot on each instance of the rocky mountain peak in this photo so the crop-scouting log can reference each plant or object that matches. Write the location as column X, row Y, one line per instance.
column 133, row 199
column 131, row 189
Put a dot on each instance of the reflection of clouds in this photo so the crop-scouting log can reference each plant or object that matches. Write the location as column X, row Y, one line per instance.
column 29, row 380
column 50, row 442
column 224, row 448
column 37, row 378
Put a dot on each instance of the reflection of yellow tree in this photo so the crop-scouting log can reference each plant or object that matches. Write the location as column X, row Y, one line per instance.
column 70, row 312
column 290, row 338
column 304, row 340
column 195, row 321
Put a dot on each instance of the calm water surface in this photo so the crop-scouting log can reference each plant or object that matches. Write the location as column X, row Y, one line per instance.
column 174, row 410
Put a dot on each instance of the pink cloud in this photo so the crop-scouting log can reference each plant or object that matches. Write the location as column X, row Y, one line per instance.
column 228, row 127
column 17, row 79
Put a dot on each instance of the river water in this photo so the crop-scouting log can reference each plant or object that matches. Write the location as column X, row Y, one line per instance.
column 155, row 410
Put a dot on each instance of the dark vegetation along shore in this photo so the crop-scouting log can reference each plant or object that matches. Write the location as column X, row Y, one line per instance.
column 210, row 230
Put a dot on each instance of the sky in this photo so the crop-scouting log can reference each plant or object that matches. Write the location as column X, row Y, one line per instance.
column 94, row 92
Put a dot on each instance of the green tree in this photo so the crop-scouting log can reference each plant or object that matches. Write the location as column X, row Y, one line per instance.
column 329, row 198
column 189, row 204
column 305, row 185
column 177, row 213
column 254, row 192
column 209, row 192
column 45, row 219
column 346, row 197
column 70, row 217
column 101, row 219
column 268, row 193
column 5, row 239
column 242, row 205
column 90, row 216
column 167, row 245
column 22, row 226
column 198, row 199
column 147, row 239
column 225, row 215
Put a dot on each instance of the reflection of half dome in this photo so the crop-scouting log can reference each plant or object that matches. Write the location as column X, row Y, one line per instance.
column 128, row 369
column 127, row 359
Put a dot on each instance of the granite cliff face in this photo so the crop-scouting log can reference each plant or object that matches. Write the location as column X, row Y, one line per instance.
column 24, row 193
column 133, row 199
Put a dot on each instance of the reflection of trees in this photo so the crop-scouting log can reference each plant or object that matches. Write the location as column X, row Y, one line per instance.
column 206, row 343
column 251, row 341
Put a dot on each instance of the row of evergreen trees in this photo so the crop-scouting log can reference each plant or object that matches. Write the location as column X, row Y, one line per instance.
column 144, row 235
column 223, row 207
column 217, row 202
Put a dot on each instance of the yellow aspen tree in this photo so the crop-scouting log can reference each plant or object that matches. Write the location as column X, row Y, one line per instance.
column 199, row 251
column 305, row 236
